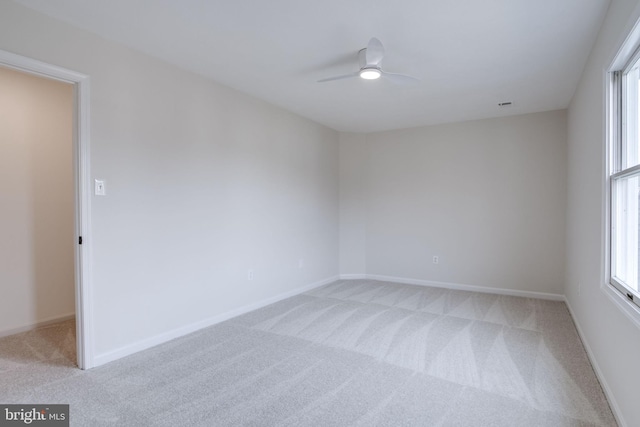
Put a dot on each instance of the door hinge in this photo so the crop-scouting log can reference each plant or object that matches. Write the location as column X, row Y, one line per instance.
column 80, row 240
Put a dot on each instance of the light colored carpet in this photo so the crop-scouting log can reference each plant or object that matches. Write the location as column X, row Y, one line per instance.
column 360, row 353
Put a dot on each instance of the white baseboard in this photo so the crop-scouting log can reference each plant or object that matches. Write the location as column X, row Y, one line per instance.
column 352, row 276
column 193, row 327
column 32, row 326
column 592, row 358
column 462, row 287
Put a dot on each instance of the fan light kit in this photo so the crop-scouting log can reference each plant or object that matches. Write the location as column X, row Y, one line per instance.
column 370, row 58
column 370, row 73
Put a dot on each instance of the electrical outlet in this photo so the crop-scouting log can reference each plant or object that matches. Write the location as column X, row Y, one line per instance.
column 250, row 275
column 436, row 259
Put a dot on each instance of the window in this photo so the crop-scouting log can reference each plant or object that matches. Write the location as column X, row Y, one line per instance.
column 624, row 178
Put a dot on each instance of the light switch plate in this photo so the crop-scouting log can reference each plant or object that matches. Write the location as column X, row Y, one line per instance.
column 100, row 188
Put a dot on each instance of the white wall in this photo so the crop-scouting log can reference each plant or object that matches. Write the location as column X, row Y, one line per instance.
column 36, row 193
column 613, row 338
column 487, row 197
column 203, row 183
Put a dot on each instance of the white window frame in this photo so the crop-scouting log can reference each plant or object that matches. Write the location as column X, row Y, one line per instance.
column 617, row 131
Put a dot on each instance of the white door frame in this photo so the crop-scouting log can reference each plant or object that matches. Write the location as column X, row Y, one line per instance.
column 81, row 163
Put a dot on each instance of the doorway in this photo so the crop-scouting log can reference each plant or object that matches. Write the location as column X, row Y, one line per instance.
column 77, row 253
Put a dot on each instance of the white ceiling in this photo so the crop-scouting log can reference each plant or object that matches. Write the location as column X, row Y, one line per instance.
column 469, row 54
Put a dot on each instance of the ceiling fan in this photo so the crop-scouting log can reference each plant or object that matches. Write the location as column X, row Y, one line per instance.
column 370, row 69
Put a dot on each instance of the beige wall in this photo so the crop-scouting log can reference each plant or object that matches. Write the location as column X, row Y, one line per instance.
column 487, row 197
column 36, row 188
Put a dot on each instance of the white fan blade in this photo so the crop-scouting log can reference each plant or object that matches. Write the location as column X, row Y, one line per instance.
column 399, row 78
column 375, row 52
column 345, row 76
